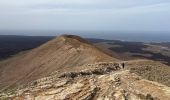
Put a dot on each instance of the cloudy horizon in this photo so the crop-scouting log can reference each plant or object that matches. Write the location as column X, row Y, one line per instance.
column 98, row 15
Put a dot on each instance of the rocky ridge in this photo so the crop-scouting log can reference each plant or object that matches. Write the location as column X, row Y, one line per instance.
column 103, row 81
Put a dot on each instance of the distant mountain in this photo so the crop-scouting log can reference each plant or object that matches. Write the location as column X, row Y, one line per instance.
column 66, row 51
column 123, row 50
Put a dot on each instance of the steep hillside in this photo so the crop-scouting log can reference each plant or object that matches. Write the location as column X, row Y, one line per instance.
column 61, row 53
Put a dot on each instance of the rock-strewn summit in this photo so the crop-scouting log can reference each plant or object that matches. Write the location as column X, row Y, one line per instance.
column 102, row 81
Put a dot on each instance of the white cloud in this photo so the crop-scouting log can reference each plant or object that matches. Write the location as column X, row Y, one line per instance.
column 76, row 4
column 84, row 14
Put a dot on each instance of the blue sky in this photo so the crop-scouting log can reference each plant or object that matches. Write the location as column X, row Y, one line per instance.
column 100, row 15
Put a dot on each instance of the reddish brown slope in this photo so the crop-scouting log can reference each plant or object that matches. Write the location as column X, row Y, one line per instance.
column 62, row 52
